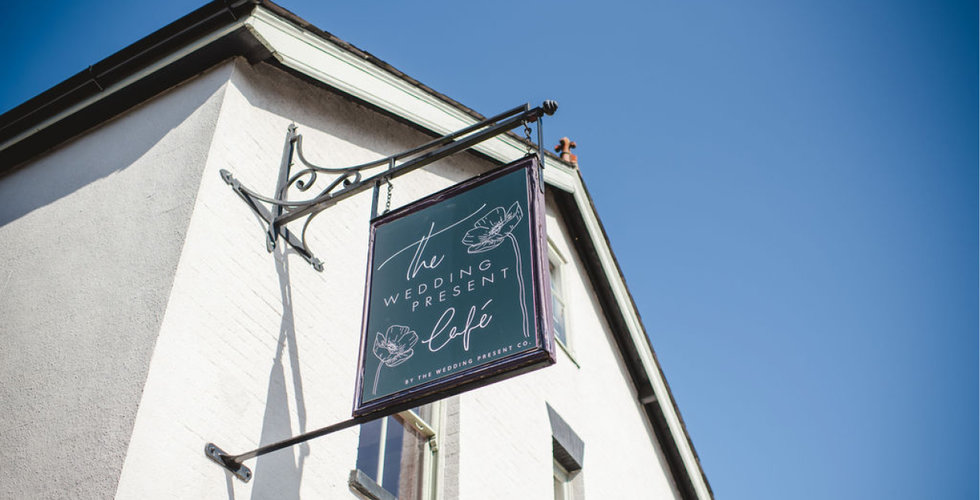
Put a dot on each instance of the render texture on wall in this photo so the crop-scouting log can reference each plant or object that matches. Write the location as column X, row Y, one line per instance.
column 92, row 233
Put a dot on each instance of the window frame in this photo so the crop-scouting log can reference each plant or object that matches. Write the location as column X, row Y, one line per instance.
column 558, row 262
column 429, row 472
column 562, row 481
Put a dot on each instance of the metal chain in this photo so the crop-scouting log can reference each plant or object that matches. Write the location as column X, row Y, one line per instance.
column 527, row 135
column 388, row 200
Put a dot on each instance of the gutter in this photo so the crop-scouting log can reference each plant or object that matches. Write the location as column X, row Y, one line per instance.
column 186, row 47
column 126, row 78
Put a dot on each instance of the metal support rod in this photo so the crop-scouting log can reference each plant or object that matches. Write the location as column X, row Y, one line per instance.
column 282, row 214
column 541, row 152
column 287, row 161
column 446, row 150
column 234, row 462
column 552, row 105
column 374, row 199
column 323, row 431
column 348, row 180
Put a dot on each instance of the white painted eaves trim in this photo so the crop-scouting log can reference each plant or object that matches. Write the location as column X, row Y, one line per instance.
column 638, row 337
column 341, row 69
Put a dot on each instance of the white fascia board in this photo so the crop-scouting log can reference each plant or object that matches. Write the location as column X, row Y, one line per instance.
column 638, row 337
column 324, row 61
column 317, row 58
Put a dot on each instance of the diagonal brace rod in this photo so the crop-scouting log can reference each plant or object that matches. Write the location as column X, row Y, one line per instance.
column 447, row 145
column 264, row 214
column 234, row 462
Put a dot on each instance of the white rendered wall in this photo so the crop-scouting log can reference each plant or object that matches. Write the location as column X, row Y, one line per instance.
column 91, row 234
column 505, row 432
column 255, row 347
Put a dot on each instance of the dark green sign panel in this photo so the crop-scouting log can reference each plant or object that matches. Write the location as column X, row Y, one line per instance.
column 457, row 292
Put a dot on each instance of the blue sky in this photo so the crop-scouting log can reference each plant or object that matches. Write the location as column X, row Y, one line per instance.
column 790, row 188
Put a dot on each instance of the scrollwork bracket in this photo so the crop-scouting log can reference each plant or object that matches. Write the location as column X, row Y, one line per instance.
column 344, row 182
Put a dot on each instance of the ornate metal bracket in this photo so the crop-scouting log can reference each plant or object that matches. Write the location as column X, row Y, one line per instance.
column 348, row 181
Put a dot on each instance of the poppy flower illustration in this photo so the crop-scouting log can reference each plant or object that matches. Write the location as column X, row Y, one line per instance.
column 489, row 231
column 393, row 348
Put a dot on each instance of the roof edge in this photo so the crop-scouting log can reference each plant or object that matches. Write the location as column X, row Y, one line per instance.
column 116, row 67
column 597, row 271
column 59, row 107
column 219, row 30
column 73, row 95
column 365, row 55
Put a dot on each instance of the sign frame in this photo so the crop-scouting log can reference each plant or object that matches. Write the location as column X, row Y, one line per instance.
column 541, row 354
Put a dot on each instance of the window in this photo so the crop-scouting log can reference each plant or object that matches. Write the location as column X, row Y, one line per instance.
column 567, row 453
column 563, row 483
column 395, row 456
column 557, row 298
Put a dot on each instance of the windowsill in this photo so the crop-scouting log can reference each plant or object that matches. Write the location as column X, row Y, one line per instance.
column 568, row 352
column 363, row 484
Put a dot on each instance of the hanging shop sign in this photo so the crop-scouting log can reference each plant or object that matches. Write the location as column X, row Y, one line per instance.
column 457, row 292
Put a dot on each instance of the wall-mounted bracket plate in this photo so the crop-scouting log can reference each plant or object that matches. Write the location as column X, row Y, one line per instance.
column 223, row 459
column 348, row 181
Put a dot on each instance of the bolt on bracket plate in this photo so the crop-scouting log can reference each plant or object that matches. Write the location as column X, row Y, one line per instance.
column 223, row 459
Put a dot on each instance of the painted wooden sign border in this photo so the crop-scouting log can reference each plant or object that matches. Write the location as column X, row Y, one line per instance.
column 540, row 355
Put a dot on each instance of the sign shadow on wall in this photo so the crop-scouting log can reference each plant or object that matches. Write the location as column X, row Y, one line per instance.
column 282, row 471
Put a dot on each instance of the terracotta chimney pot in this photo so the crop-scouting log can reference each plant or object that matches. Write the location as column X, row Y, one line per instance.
column 564, row 149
